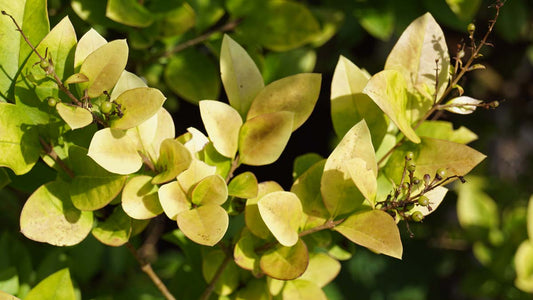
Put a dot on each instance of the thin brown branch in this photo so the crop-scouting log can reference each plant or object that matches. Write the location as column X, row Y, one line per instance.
column 49, row 150
column 234, row 165
column 148, row 249
column 211, row 287
column 147, row 268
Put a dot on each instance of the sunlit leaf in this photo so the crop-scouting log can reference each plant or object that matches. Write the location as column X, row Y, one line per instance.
column 174, row 158
column 297, row 94
column 126, row 81
column 137, row 105
column 322, row 269
column 210, row 190
column 229, row 280
column 89, row 42
column 196, row 140
column 300, row 289
column 104, row 66
column 139, row 198
column 197, row 171
column 48, row 216
column 388, row 89
column 75, row 116
column 378, row 21
column 243, row 186
column 205, row 225
column 252, row 217
column 374, row 229
column 444, row 130
column 263, row 138
column 173, row 200
column 57, row 286
column 364, row 177
column 523, row 262
column 285, row 263
column 435, row 197
column 282, row 213
column 115, row 230
column 349, row 105
column 222, row 123
column 420, row 50
column 463, row 105
column 6, row 296
column 129, row 12
column 244, row 253
column 212, row 157
column 76, row 78
column 240, row 76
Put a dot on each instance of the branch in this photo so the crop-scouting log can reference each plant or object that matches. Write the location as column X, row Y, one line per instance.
column 49, row 150
column 211, row 287
column 147, row 268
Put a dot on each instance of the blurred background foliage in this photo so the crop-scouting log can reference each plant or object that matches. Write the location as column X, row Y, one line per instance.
column 465, row 251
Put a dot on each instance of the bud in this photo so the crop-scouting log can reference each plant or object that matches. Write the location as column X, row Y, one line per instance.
column 471, row 28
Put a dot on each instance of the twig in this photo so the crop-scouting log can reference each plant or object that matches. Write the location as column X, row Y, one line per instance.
column 147, row 268
column 211, row 287
column 148, row 249
column 234, row 165
column 50, row 152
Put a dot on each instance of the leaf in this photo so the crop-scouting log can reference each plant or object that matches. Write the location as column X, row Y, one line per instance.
column 197, row 171
column 263, row 138
column 93, row 187
column 137, row 105
column 193, row 76
column 48, row 216
column 435, row 199
column 229, row 280
column 222, row 123
column 173, row 200
column 19, row 143
column 464, row 10
column 87, row 44
column 297, row 94
column 126, row 81
column 252, row 216
column 129, row 12
column 76, row 78
column 4, row 178
column 322, row 269
column 32, row 16
column 530, row 218
column 210, row 190
column 388, row 90
column 303, row 162
column 373, row 229
column 338, row 189
column 174, row 158
column 104, row 66
column 139, row 198
column 415, row 56
column 212, row 157
column 255, row 289
column 243, row 186
column 444, row 130
column 277, row 65
column 378, row 21
column 115, row 230
column 282, row 213
column 349, row 105
column 463, row 105
column 207, row 13
column 364, row 177
column 6, row 296
column 57, row 286
column 285, row 263
column 75, row 116
column 240, row 76
column 431, row 155
column 475, row 209
column 524, row 267
column 205, row 225
column 244, row 253
column 300, row 289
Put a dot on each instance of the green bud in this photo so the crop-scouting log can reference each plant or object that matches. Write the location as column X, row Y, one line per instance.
column 52, row 101
column 409, row 155
column 411, row 167
column 440, row 174
column 106, row 107
column 417, row 216
column 423, row 201
column 471, row 28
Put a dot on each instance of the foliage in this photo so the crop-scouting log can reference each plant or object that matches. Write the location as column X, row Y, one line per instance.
column 114, row 161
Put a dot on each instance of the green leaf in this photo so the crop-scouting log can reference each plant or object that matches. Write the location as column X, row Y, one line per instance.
column 210, row 190
column 197, row 171
column 177, row 20
column 268, row 25
column 222, row 123
column 229, row 280
column 530, row 218
column 252, row 216
column 213, row 158
column 129, row 12
column 243, row 186
column 115, row 230
column 285, row 263
column 379, row 22
column 173, row 200
column 174, row 158
column 244, row 253
column 88, row 43
column 139, row 198
column 282, row 213
column 240, row 76
column 32, row 16
column 75, row 116
column 444, row 130
column 193, row 76
column 255, row 289
column 104, row 66
column 76, row 78
column 93, row 187
column 4, row 178
column 349, row 105
column 126, row 81
column 9, row 282
column 322, row 269
column 374, row 229
column 57, row 286
column 338, row 189
column 465, row 10
column 205, row 225
column 523, row 262
column 19, row 143
column 431, row 155
column 278, row 65
column 300, row 289
column 475, row 209
column 415, row 56
column 137, row 105
column 263, row 138
column 388, row 89
column 297, row 94
column 207, row 13
column 48, row 216
column 303, row 162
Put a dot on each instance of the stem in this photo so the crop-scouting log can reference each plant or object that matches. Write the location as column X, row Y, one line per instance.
column 147, row 268
column 49, row 150
column 234, row 165
column 211, row 287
